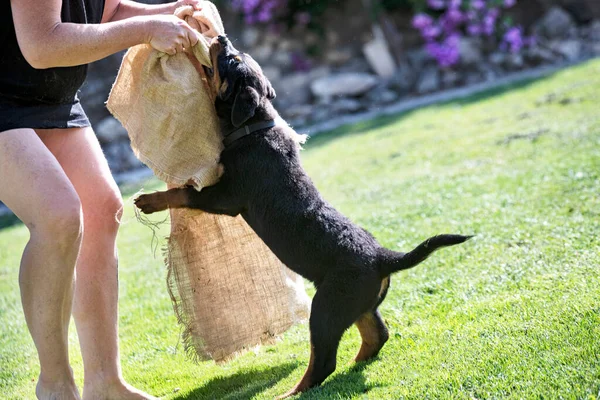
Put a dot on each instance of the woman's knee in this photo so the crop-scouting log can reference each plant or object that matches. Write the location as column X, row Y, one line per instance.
column 61, row 221
column 105, row 210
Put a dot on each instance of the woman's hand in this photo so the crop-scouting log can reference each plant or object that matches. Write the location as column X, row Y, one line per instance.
column 171, row 35
column 197, row 4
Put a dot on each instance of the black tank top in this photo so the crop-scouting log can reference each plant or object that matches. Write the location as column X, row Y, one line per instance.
column 37, row 90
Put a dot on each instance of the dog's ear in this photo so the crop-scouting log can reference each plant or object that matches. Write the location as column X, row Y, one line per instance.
column 244, row 105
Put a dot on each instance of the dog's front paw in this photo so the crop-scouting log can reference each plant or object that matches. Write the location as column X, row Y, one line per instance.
column 151, row 203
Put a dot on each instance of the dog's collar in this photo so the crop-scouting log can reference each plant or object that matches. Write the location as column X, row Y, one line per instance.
column 246, row 130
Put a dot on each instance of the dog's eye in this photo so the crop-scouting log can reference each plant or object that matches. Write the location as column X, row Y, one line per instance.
column 209, row 71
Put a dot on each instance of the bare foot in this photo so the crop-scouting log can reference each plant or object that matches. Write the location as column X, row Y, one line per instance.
column 114, row 391
column 54, row 391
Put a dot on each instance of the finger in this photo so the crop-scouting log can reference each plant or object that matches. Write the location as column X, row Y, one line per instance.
column 194, row 38
column 171, row 51
column 197, row 5
column 179, row 48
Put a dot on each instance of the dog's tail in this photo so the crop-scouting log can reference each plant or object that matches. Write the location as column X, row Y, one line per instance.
column 392, row 261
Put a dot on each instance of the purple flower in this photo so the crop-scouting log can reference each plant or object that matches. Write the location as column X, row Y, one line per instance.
column 474, row 29
column 436, row 4
column 513, row 38
column 303, row 18
column 509, row 3
column 422, row 21
column 455, row 4
column 431, row 32
column 478, row 4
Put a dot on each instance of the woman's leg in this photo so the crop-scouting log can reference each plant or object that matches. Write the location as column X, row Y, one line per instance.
column 34, row 186
column 96, row 289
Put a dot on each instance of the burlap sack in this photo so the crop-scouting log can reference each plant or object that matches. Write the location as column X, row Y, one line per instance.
column 228, row 290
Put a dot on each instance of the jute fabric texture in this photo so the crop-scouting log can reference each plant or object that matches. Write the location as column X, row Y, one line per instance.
column 228, row 290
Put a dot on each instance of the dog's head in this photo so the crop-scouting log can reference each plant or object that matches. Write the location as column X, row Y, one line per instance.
column 238, row 81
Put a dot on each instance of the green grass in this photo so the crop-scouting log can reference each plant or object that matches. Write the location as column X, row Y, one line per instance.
column 515, row 313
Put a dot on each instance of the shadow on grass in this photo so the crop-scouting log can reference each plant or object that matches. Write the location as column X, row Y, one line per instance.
column 342, row 386
column 241, row 385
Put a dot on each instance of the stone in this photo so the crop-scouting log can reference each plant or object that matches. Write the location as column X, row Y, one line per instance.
column 272, row 73
column 498, row 58
column 450, row 78
column 262, row 53
column 344, row 84
column 539, row 55
column 250, row 36
column 298, row 111
column 555, row 24
column 429, row 81
column 419, row 58
column 293, row 89
column 109, row 130
column 345, row 106
column 381, row 95
column 338, row 57
column 474, row 77
column 594, row 31
column 514, row 61
column 470, row 51
column 403, row 80
column 570, row 49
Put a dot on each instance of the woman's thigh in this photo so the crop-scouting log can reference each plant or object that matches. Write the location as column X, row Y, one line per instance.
column 81, row 157
column 32, row 182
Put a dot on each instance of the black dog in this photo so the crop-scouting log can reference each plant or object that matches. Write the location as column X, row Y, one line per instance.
column 265, row 183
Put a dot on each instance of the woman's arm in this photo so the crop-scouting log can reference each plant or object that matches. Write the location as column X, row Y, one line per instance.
column 116, row 10
column 47, row 42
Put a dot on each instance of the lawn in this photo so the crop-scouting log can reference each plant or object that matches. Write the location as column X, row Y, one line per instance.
column 514, row 313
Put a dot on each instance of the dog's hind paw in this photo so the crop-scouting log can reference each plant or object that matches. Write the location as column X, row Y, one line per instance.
column 151, row 203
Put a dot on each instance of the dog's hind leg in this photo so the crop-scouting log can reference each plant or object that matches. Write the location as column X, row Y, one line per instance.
column 374, row 334
column 337, row 304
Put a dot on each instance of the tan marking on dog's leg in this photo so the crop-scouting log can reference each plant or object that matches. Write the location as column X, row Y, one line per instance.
column 374, row 334
column 305, row 383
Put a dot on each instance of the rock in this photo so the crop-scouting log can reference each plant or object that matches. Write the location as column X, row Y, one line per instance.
column 381, row 95
column 272, row 73
column 403, row 80
column 470, row 51
column 419, row 58
column 555, row 24
column 298, row 111
column 570, row 49
column 514, row 61
column 262, row 53
column 338, row 57
column 322, row 114
column 581, row 10
column 539, row 55
column 250, row 36
column 429, row 81
column 474, row 77
column 594, row 31
column 498, row 58
column 345, row 84
column 109, row 130
column 450, row 78
column 345, row 106
column 293, row 89
column 282, row 59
